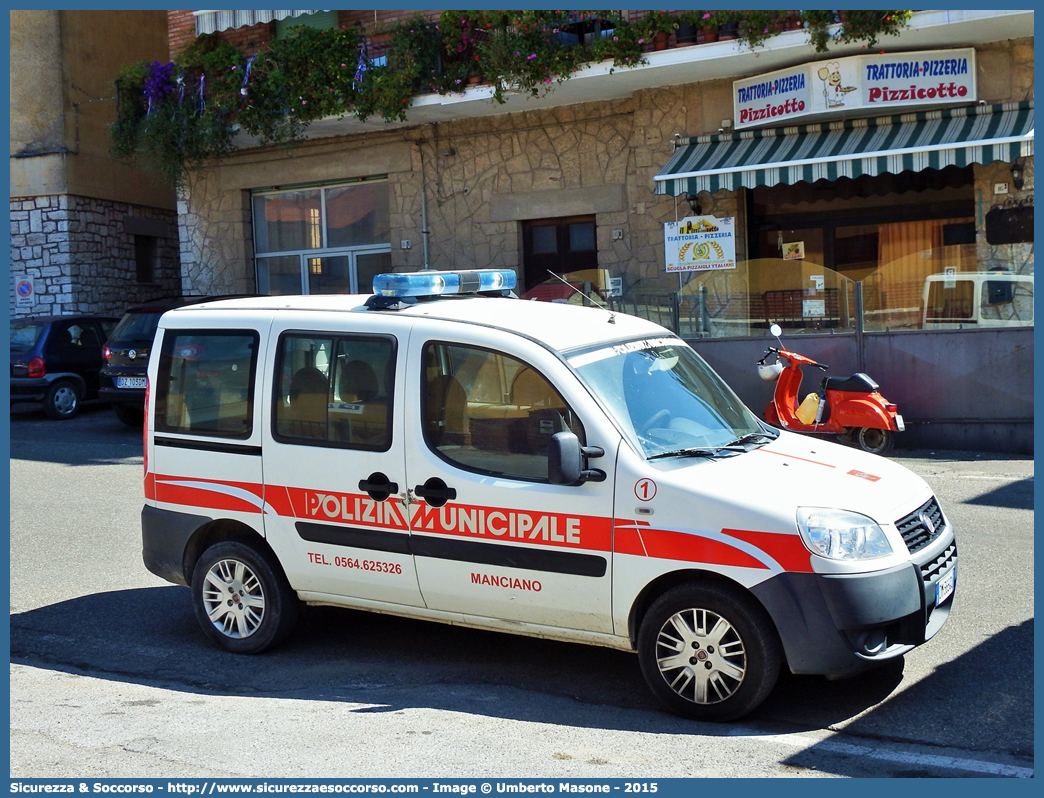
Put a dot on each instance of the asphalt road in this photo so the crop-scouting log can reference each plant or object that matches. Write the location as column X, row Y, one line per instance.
column 111, row 677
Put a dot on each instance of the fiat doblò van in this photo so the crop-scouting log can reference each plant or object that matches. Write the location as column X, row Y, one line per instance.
column 441, row 450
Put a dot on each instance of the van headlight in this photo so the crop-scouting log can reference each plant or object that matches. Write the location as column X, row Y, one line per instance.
column 841, row 535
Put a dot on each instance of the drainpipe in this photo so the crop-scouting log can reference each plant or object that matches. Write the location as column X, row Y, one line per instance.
column 424, row 208
column 860, row 359
column 424, row 222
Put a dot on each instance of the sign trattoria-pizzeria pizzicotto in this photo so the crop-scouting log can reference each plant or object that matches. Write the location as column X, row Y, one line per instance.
column 855, row 85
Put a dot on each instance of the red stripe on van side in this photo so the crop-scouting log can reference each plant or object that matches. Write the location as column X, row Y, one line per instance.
column 668, row 545
column 150, row 486
column 279, row 499
column 251, row 487
column 787, row 550
column 202, row 497
column 628, row 540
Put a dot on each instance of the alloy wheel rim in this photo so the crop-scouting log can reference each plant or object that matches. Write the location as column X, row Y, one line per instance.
column 234, row 599
column 701, row 656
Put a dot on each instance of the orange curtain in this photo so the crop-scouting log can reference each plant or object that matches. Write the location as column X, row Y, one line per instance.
column 908, row 253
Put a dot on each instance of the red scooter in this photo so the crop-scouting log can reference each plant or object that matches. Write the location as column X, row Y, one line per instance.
column 850, row 407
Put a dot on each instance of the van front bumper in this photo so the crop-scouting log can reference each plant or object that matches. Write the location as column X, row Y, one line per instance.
column 836, row 625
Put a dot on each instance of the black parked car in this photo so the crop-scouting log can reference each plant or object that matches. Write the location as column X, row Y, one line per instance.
column 56, row 360
column 126, row 353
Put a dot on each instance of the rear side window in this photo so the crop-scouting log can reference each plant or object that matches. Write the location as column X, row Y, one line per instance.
column 206, row 382
column 77, row 336
column 24, row 335
column 335, row 390
column 137, row 326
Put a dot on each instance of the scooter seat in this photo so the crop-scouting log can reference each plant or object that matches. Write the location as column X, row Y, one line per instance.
column 857, row 383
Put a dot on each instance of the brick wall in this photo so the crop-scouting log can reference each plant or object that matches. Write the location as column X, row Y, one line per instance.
column 181, row 30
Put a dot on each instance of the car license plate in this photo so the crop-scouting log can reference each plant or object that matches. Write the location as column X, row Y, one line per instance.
column 130, row 382
column 944, row 587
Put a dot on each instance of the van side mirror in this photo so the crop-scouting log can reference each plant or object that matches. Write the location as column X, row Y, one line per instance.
column 567, row 461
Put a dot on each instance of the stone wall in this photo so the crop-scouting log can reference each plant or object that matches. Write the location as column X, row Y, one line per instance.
column 216, row 238
column 80, row 254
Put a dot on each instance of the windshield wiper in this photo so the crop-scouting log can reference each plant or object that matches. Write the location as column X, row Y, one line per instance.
column 753, row 437
column 698, row 451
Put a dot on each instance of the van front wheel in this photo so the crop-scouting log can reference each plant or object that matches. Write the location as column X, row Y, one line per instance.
column 709, row 651
column 242, row 602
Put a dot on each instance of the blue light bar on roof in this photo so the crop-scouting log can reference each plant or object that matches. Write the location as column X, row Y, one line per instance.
column 432, row 283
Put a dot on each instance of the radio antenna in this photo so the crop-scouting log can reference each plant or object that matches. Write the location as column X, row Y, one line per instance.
column 577, row 290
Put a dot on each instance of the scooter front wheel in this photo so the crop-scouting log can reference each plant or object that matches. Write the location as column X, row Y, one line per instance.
column 873, row 440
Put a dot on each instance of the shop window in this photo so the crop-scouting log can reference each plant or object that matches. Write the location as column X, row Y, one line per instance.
column 488, row 412
column 206, row 383
column 335, row 391
column 910, row 253
column 290, row 220
column 357, row 215
column 330, row 239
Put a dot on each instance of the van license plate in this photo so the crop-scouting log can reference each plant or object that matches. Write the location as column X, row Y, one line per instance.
column 944, row 587
column 130, row 382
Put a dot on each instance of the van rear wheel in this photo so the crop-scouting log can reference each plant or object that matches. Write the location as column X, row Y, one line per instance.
column 242, row 601
column 709, row 651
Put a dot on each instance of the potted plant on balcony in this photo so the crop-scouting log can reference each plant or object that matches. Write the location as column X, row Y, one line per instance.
column 656, row 28
column 706, row 26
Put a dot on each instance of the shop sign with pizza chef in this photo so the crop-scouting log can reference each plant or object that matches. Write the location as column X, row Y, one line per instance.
column 856, row 84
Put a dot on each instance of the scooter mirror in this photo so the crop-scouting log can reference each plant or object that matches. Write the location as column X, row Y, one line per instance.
column 776, row 330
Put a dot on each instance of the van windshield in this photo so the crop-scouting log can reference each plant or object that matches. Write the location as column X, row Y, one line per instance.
column 665, row 397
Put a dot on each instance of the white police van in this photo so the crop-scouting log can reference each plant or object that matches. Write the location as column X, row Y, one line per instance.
column 443, row 451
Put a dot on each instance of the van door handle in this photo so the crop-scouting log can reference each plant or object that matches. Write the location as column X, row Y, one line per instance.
column 378, row 487
column 435, row 492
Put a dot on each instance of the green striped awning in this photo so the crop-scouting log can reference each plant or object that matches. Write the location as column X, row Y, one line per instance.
column 850, row 148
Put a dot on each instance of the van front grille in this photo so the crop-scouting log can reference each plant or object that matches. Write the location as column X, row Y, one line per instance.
column 922, row 526
column 931, row 571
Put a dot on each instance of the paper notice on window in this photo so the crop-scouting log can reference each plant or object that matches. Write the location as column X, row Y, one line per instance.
column 795, row 250
column 813, row 308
